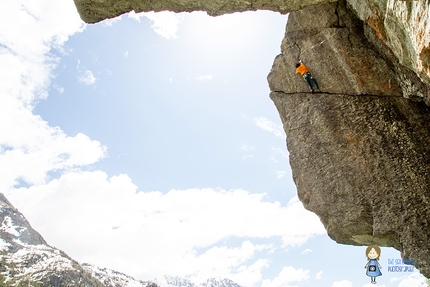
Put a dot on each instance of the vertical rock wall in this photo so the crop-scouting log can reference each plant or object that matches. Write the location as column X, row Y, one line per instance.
column 359, row 151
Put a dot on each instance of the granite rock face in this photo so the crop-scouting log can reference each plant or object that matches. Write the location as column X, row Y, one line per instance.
column 359, row 151
column 95, row 11
column 331, row 42
column 403, row 26
column 362, row 164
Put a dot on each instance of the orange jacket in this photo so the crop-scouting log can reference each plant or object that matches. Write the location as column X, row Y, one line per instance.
column 302, row 69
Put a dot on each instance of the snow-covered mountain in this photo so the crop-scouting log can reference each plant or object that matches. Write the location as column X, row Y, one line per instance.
column 175, row 281
column 220, row 282
column 112, row 278
column 26, row 259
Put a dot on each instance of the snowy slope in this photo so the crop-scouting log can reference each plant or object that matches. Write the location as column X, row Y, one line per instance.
column 111, row 278
column 174, row 281
column 220, row 282
column 27, row 259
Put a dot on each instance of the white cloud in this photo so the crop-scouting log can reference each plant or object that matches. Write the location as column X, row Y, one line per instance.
column 170, row 229
column 307, row 251
column 204, row 78
column 368, row 285
column 245, row 147
column 343, row 283
column 283, row 152
column 287, row 275
column 319, row 275
column 125, row 54
column 26, row 60
column 280, row 173
column 413, row 280
column 135, row 16
column 58, row 88
column 273, row 159
column 269, row 126
column 110, row 22
column 164, row 23
column 29, row 147
column 248, row 275
column 220, row 260
column 34, row 149
column 86, row 77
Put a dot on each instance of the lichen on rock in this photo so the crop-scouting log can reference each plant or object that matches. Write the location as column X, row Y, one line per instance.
column 403, row 26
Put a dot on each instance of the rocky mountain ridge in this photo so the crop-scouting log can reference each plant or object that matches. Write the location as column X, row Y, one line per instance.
column 171, row 281
column 112, row 278
column 27, row 259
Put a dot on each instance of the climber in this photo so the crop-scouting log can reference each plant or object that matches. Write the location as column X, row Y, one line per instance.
column 310, row 81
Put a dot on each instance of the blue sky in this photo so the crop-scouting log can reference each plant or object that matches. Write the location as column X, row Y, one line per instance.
column 148, row 144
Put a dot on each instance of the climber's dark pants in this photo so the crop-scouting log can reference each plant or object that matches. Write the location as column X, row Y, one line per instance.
column 310, row 81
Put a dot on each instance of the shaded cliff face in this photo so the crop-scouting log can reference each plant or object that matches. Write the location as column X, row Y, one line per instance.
column 95, row 11
column 359, row 151
column 404, row 26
